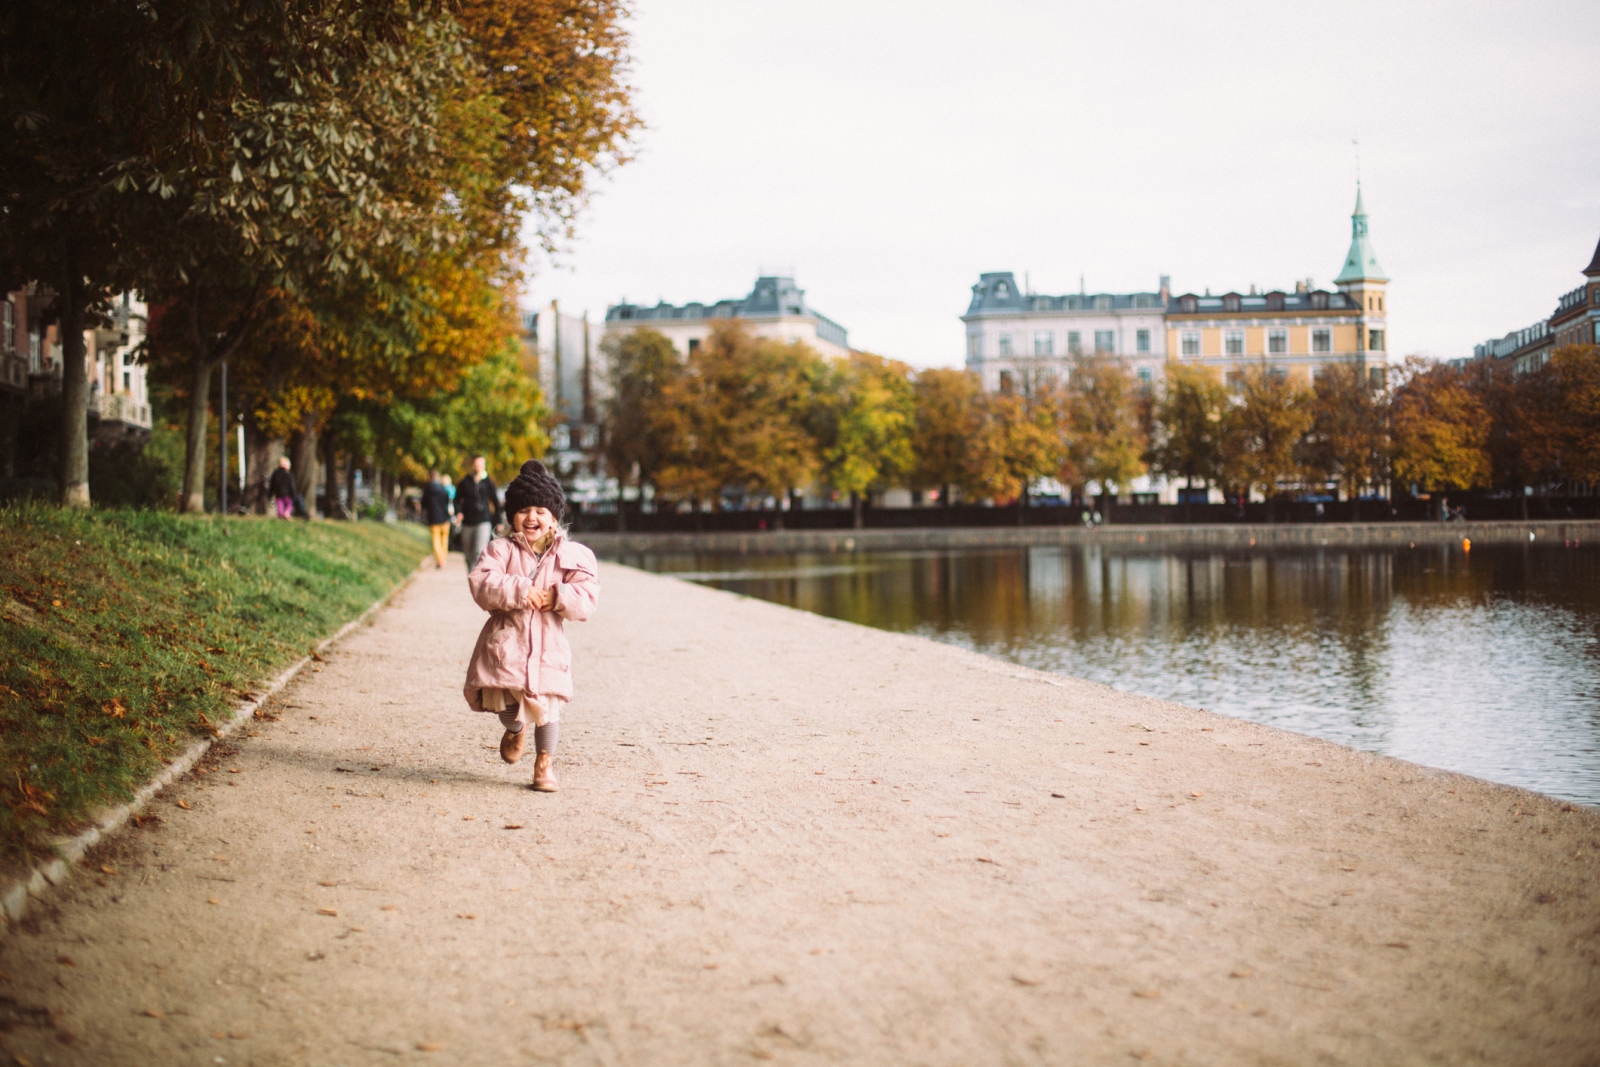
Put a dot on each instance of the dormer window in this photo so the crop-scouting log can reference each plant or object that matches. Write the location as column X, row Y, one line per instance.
column 1230, row 302
column 1189, row 304
column 1319, row 301
column 1274, row 301
column 1000, row 290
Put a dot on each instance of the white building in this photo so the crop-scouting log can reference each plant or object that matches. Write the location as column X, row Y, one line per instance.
column 776, row 308
column 1015, row 336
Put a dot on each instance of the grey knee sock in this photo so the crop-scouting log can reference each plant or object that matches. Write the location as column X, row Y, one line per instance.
column 508, row 719
column 545, row 738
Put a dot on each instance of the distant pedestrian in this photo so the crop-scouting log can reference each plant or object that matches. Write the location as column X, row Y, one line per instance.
column 478, row 505
column 281, row 488
column 436, row 513
column 530, row 583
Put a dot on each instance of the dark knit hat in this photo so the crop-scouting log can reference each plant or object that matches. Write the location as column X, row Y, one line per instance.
column 535, row 487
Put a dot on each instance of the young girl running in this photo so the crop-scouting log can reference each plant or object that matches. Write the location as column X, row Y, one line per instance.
column 530, row 583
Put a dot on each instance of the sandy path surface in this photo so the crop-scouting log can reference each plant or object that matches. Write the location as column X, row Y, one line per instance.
column 786, row 838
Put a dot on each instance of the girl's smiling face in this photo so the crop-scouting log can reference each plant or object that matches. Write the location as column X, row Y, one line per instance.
column 535, row 524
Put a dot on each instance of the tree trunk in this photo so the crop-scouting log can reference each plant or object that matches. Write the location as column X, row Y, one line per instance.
column 350, row 485
column 303, row 458
column 857, row 519
column 194, row 460
column 622, row 506
column 74, row 455
column 1022, row 505
column 777, row 509
column 330, row 486
column 1355, row 506
column 1108, row 501
column 1524, row 503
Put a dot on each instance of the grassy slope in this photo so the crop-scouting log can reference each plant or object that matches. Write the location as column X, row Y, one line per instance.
column 125, row 634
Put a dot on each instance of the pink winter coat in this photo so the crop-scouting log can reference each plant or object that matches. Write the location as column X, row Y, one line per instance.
column 522, row 649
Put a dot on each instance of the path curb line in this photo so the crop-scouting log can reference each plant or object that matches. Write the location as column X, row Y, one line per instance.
column 18, row 894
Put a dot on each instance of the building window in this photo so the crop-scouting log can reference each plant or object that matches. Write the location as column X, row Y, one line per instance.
column 1189, row 304
column 1007, row 382
column 975, row 345
column 1277, row 342
column 1233, row 343
column 1230, row 302
column 1102, row 303
column 1319, row 301
column 1376, row 377
column 1236, row 381
column 1104, row 341
column 1375, row 340
column 694, row 345
column 8, row 344
column 1597, row 333
column 1322, row 340
column 1191, row 342
column 1141, row 341
column 1074, row 342
column 1044, row 343
column 1005, row 344
column 35, row 353
column 1144, row 376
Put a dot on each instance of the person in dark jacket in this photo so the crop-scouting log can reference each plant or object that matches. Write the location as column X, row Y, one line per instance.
column 281, row 488
column 436, row 512
column 478, row 505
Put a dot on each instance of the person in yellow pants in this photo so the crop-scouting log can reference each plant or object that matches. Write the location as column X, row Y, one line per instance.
column 436, row 513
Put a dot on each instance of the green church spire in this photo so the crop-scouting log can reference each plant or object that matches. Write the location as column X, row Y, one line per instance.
column 1361, row 263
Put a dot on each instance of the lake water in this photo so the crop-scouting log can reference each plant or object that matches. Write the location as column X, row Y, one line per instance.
column 1484, row 661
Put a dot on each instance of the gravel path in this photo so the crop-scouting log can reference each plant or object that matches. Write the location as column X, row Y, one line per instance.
column 786, row 838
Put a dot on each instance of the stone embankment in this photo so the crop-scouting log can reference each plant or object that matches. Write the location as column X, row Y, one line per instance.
column 786, row 838
column 1221, row 536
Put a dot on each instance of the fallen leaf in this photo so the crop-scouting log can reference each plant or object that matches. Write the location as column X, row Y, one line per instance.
column 154, row 1013
column 66, row 961
column 986, row 859
column 513, row 826
column 1059, row 796
column 712, row 966
column 1197, row 793
column 390, row 907
column 329, row 884
column 1242, row 972
column 465, row 915
column 1347, row 868
column 1545, row 898
column 1395, row 944
column 429, row 1046
column 1142, row 1054
column 212, row 900
column 315, row 956
column 327, row 911
column 468, row 818
column 184, row 804
column 1024, row 981
column 234, row 770
column 107, row 870
column 55, row 603
column 1147, row 994
column 220, row 1035
column 237, row 1035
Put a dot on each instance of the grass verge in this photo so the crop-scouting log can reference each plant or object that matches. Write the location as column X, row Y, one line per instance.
column 124, row 635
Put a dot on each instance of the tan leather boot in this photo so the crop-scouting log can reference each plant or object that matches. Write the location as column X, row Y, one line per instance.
column 544, row 774
column 512, row 745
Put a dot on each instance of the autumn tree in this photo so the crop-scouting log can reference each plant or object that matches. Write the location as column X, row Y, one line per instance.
column 738, row 417
column 1104, row 441
column 1262, row 434
column 1577, row 370
column 1440, row 426
column 870, row 415
column 641, row 366
column 1348, row 442
column 948, row 409
column 1189, row 420
column 1015, row 441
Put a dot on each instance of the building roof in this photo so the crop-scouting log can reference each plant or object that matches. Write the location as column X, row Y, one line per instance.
column 1361, row 262
column 773, row 296
column 997, row 293
column 1593, row 269
column 1242, row 304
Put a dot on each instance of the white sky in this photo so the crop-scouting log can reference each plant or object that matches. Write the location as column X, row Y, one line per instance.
column 888, row 152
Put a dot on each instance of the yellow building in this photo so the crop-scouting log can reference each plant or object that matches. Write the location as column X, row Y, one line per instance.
column 1294, row 333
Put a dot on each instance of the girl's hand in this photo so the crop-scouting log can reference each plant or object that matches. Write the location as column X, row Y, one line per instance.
column 541, row 599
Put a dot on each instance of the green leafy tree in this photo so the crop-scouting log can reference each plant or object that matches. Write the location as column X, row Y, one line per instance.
column 873, row 414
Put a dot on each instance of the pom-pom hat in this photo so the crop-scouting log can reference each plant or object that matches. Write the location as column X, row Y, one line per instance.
column 535, row 487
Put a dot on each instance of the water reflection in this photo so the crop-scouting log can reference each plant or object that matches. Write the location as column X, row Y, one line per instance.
column 1486, row 662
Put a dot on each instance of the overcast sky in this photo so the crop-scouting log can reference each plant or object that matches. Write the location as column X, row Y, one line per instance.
column 888, row 152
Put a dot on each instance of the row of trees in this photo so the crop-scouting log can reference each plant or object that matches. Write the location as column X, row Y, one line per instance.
column 766, row 417
column 330, row 195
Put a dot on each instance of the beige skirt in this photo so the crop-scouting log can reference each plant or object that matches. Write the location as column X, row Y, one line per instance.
column 531, row 710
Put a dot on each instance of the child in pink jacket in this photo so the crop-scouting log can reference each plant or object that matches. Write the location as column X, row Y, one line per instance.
column 530, row 583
